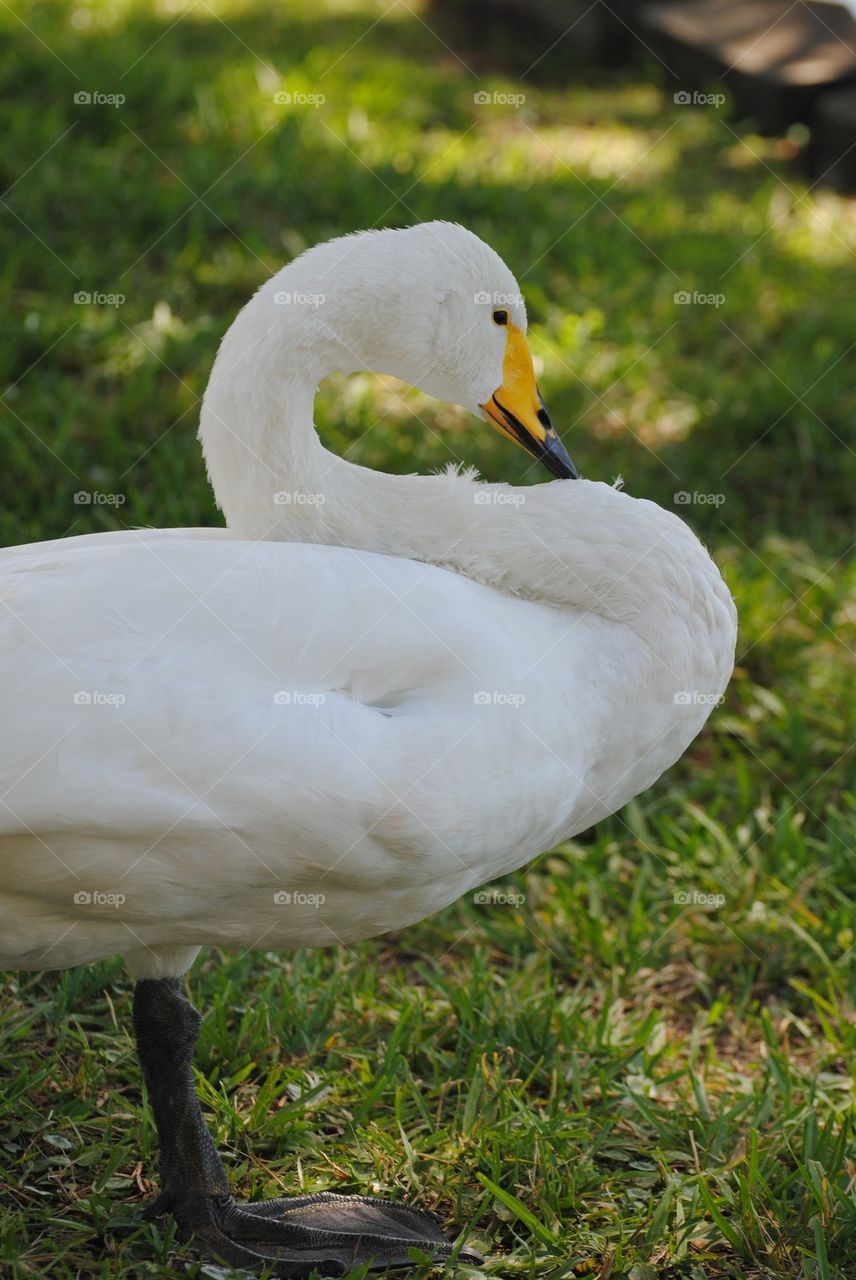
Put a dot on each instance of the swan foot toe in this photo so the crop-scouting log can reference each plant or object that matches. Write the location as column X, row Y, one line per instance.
column 289, row 1237
column 328, row 1234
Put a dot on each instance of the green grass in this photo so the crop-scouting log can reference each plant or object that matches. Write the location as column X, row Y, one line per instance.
column 603, row 1080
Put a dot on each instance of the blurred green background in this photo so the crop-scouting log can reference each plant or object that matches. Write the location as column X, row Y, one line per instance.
column 655, row 1088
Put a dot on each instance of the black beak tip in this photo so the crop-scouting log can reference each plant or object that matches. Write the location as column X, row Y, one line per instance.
column 550, row 451
column 556, row 459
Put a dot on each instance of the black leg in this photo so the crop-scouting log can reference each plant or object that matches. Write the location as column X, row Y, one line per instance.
column 292, row 1236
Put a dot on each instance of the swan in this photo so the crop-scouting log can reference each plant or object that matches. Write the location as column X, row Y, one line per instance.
column 366, row 696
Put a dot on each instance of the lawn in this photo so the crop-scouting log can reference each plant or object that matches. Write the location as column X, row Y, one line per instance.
column 644, row 1065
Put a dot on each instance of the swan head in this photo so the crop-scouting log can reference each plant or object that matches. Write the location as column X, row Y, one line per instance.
column 437, row 307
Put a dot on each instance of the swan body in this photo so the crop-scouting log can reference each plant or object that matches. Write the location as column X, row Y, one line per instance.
column 353, row 705
column 248, row 752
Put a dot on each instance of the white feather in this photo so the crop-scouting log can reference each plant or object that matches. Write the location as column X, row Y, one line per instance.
column 259, row 738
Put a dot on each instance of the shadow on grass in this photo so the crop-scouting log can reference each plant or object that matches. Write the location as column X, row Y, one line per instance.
column 199, row 185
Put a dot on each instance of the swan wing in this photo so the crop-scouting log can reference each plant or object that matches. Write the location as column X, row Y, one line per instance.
column 261, row 743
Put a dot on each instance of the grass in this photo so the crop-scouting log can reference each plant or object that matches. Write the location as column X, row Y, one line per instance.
column 619, row 1076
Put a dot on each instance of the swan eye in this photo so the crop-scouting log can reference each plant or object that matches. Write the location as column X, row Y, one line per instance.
column 500, row 317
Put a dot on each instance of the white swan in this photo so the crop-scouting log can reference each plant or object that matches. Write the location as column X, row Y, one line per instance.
column 223, row 737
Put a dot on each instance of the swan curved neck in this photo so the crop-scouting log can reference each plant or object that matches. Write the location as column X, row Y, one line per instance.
column 257, row 433
column 569, row 544
column 272, row 477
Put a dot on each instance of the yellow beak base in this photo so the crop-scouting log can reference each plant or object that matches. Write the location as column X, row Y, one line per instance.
column 517, row 410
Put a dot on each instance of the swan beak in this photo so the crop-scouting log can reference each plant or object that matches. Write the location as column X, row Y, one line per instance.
column 517, row 410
